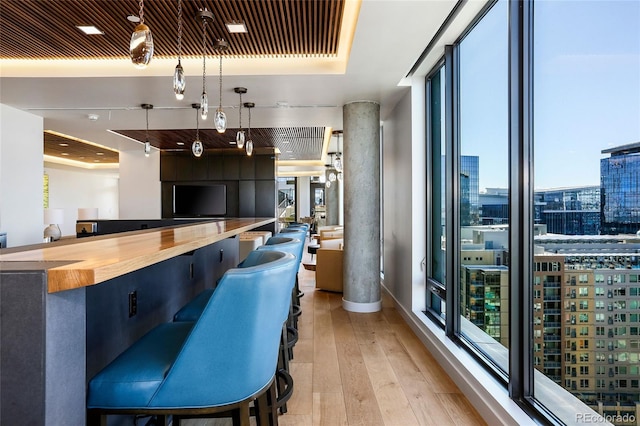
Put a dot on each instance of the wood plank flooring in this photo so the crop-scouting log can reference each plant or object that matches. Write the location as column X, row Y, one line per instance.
column 364, row 369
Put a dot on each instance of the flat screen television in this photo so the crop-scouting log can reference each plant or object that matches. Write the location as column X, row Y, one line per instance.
column 199, row 200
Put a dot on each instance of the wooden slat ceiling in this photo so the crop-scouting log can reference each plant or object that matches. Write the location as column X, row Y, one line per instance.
column 304, row 142
column 73, row 149
column 37, row 29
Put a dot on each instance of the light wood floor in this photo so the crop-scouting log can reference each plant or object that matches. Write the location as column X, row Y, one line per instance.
column 364, row 369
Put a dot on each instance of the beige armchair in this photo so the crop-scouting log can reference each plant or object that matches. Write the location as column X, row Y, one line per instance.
column 329, row 264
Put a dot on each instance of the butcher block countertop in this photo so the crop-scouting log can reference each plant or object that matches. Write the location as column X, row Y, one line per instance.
column 87, row 261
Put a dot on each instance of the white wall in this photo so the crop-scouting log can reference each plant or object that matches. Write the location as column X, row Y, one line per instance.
column 140, row 188
column 303, row 186
column 21, row 170
column 397, row 192
column 71, row 188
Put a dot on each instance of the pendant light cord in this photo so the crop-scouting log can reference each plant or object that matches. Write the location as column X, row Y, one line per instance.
column 249, row 123
column 220, row 79
column 147, row 131
column 141, row 14
column 204, row 52
column 179, row 30
column 240, row 111
column 197, row 125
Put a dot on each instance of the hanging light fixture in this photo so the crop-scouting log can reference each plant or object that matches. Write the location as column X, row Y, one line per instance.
column 249, row 143
column 196, row 147
column 240, row 135
column 179, row 81
column 206, row 16
column 141, row 44
column 147, row 144
column 337, row 162
column 220, row 119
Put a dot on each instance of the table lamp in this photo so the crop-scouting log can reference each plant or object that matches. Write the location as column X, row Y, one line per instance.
column 53, row 217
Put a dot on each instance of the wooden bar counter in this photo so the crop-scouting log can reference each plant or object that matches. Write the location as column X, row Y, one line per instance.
column 94, row 261
column 68, row 308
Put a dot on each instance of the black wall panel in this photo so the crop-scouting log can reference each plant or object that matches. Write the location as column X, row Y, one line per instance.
column 250, row 181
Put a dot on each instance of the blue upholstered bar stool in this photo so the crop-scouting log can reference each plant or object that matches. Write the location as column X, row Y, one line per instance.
column 192, row 311
column 301, row 235
column 220, row 363
column 290, row 333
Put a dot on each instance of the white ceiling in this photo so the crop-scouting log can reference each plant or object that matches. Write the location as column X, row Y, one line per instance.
column 379, row 59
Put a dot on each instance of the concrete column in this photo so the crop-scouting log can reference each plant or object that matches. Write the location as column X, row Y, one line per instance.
column 332, row 200
column 361, row 161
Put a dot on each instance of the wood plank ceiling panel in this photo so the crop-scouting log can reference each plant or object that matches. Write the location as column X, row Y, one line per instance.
column 35, row 29
column 304, row 142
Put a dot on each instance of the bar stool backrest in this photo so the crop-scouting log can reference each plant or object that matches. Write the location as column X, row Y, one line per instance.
column 243, row 317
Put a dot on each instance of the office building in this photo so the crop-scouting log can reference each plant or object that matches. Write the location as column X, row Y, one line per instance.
column 619, row 178
column 569, row 211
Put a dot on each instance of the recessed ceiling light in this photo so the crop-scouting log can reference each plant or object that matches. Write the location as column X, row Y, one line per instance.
column 236, row 27
column 289, row 152
column 89, row 30
column 286, row 141
column 65, row 153
column 180, row 143
column 63, row 144
column 99, row 153
column 96, row 161
column 133, row 18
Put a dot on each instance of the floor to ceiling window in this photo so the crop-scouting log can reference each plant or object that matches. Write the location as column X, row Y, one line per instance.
column 533, row 183
column 586, row 287
column 483, row 175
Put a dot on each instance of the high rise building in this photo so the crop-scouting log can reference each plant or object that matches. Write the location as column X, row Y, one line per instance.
column 569, row 211
column 469, row 190
column 619, row 183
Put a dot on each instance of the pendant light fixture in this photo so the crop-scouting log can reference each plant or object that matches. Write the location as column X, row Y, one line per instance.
column 240, row 135
column 248, row 146
column 196, row 147
column 141, row 44
column 147, row 144
column 179, row 81
column 206, row 16
column 337, row 162
column 220, row 119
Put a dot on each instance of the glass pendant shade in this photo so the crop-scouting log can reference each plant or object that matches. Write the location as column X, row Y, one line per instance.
column 141, row 46
column 196, row 148
column 337, row 164
column 204, row 106
column 240, row 139
column 339, row 176
column 220, row 120
column 249, row 147
column 332, row 177
column 179, row 82
column 328, row 184
column 147, row 149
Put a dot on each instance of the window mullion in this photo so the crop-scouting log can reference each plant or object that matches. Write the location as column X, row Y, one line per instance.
column 520, row 202
column 452, row 202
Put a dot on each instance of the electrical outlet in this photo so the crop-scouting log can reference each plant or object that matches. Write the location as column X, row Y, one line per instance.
column 133, row 303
